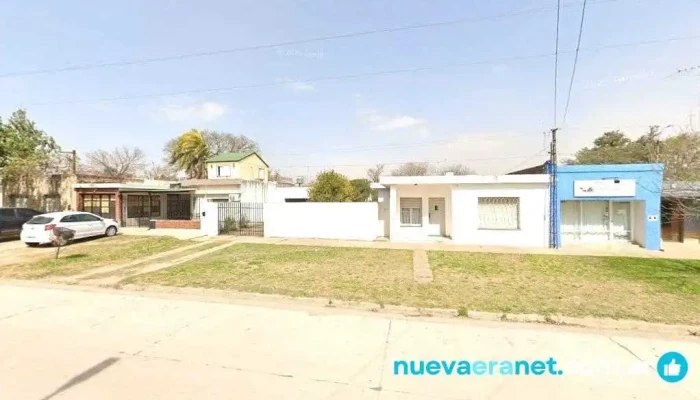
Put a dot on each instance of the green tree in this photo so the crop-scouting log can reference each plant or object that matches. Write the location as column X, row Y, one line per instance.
column 189, row 153
column 25, row 150
column 361, row 189
column 331, row 186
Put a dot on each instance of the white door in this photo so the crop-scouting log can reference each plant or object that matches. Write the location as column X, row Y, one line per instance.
column 594, row 221
column 92, row 224
column 570, row 221
column 620, row 220
column 436, row 216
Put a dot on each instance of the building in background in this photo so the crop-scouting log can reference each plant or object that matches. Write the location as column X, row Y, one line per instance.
column 680, row 212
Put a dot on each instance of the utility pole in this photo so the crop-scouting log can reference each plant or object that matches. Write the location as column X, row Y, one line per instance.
column 553, row 198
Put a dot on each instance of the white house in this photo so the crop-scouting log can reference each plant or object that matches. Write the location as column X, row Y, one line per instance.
column 509, row 210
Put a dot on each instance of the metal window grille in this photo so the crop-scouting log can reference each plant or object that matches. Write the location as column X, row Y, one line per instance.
column 411, row 211
column 499, row 213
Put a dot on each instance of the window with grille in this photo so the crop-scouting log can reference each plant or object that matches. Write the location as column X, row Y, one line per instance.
column 139, row 206
column 499, row 213
column 411, row 211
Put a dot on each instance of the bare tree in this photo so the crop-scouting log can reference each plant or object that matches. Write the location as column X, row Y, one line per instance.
column 457, row 169
column 118, row 163
column 412, row 169
column 276, row 176
column 219, row 142
column 374, row 173
column 163, row 172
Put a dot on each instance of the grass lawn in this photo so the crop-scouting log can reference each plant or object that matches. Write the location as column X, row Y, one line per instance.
column 329, row 272
column 80, row 257
column 647, row 289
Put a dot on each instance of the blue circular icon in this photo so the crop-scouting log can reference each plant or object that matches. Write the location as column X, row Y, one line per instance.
column 672, row 367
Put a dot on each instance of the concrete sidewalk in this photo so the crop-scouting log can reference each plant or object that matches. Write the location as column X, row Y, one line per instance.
column 672, row 250
column 70, row 344
column 183, row 234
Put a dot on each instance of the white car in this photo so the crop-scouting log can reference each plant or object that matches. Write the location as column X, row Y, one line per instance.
column 39, row 229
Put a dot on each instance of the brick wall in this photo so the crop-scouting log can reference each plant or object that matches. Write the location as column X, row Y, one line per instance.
column 177, row 224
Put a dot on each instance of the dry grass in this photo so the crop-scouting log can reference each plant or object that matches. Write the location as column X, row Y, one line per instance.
column 383, row 276
column 80, row 257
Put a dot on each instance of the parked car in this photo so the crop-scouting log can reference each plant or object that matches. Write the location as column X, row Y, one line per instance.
column 39, row 230
column 11, row 220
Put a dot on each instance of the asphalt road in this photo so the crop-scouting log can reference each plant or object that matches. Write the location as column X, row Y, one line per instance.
column 68, row 343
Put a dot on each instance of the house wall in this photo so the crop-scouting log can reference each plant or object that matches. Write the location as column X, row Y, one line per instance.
column 44, row 193
column 424, row 192
column 533, row 209
column 648, row 180
column 282, row 194
column 246, row 169
column 352, row 221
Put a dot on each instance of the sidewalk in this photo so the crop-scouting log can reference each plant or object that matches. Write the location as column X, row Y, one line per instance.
column 77, row 343
column 672, row 250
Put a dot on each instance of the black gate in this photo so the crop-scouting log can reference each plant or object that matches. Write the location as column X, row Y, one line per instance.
column 241, row 219
column 179, row 207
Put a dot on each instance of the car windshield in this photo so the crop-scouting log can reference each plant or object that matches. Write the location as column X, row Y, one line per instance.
column 40, row 220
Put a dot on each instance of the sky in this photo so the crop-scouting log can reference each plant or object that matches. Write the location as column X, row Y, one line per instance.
column 476, row 89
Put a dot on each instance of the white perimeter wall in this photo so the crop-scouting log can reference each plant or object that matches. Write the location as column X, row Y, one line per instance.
column 534, row 227
column 354, row 221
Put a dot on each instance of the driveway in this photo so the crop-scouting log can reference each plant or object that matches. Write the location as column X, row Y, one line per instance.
column 15, row 251
column 69, row 343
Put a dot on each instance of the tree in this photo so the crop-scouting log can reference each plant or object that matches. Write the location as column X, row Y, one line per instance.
column 119, row 163
column 219, row 142
column 25, row 150
column 276, row 176
column 331, row 186
column 162, row 172
column 412, row 169
column 361, row 189
column 374, row 173
column 190, row 150
column 456, row 169
column 613, row 147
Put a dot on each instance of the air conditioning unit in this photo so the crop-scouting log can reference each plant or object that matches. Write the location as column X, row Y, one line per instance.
column 234, row 197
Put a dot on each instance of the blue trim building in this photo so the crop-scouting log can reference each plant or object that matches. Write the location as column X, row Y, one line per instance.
column 607, row 203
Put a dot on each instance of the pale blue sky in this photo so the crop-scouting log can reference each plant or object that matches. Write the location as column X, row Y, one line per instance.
column 489, row 116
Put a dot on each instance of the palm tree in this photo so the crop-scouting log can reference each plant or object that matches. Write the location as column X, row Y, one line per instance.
column 189, row 152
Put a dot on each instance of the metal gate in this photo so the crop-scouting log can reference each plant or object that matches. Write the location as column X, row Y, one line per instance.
column 241, row 219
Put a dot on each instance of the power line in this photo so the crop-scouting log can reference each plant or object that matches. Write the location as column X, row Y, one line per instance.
column 556, row 60
column 515, row 168
column 357, row 75
column 83, row 67
column 573, row 71
column 402, row 162
column 399, row 145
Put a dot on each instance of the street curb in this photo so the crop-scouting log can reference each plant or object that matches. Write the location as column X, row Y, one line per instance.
column 276, row 300
column 576, row 322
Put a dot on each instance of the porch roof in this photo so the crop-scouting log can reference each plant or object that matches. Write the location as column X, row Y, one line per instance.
column 462, row 179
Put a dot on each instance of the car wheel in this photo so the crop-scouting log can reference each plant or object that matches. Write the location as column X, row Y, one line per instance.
column 111, row 231
column 32, row 244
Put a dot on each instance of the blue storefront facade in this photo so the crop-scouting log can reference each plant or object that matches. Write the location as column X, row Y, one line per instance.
column 608, row 203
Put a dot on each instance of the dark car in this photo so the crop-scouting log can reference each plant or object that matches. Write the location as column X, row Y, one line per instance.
column 11, row 220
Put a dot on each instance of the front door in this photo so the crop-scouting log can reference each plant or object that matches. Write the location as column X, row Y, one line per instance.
column 436, row 216
column 594, row 221
column 620, row 220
